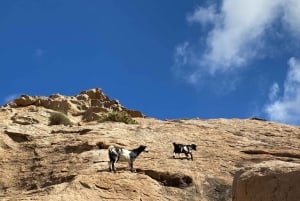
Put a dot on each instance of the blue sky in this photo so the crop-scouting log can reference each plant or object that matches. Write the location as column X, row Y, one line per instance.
column 168, row 59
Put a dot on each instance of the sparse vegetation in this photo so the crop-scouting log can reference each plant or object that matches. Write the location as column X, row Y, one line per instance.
column 118, row 116
column 59, row 118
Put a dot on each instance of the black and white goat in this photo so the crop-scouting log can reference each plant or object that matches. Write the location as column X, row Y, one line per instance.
column 184, row 148
column 123, row 155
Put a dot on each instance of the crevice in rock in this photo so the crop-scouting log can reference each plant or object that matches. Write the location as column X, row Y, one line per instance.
column 79, row 148
column 177, row 180
column 85, row 184
column 80, row 131
column 257, row 119
column 18, row 137
column 102, row 145
column 101, row 187
column 273, row 153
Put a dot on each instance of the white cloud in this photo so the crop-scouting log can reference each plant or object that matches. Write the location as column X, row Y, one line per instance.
column 287, row 108
column 274, row 91
column 237, row 34
column 203, row 15
column 181, row 55
column 292, row 15
column 184, row 63
column 240, row 32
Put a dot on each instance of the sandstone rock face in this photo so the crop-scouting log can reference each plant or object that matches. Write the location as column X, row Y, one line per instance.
column 133, row 113
column 91, row 104
column 268, row 181
column 42, row 162
column 94, row 113
column 25, row 100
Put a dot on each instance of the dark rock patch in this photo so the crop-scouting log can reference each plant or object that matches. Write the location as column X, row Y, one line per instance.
column 177, row 180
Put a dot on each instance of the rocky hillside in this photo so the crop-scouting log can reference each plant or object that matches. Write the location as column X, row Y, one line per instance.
column 236, row 159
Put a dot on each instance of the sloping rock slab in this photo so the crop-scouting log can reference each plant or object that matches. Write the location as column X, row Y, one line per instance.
column 268, row 181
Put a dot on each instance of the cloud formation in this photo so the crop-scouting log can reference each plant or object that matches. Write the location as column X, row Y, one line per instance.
column 232, row 36
column 287, row 107
column 204, row 16
column 291, row 16
column 235, row 33
column 274, row 91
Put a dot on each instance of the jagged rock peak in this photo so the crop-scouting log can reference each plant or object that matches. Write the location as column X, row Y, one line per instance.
column 95, row 93
column 91, row 104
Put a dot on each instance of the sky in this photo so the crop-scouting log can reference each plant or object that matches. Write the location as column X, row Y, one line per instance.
column 169, row 59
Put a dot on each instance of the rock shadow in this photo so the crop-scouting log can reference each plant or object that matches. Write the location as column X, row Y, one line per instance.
column 178, row 180
column 18, row 137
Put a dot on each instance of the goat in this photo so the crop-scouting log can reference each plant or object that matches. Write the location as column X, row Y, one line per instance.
column 186, row 149
column 120, row 154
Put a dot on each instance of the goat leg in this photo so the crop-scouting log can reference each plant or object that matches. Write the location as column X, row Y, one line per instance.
column 109, row 166
column 191, row 156
column 131, row 166
column 113, row 167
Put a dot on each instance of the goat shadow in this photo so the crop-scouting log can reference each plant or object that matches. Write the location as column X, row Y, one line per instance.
column 119, row 170
column 180, row 158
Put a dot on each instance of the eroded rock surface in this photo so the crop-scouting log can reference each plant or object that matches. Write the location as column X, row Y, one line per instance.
column 268, row 181
column 42, row 162
column 89, row 104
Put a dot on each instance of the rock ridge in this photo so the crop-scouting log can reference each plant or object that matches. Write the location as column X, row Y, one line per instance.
column 236, row 159
column 89, row 104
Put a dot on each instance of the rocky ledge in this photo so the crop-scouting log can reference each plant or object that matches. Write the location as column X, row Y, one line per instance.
column 90, row 104
column 236, row 159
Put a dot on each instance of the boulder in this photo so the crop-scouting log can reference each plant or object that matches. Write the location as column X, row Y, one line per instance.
column 268, row 181
column 57, row 96
column 57, row 105
column 24, row 120
column 95, row 94
column 83, row 97
column 94, row 113
column 25, row 100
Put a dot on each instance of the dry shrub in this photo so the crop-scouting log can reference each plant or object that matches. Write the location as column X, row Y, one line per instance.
column 118, row 116
column 59, row 118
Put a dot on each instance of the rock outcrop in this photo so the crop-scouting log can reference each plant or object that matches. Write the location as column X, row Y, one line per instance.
column 90, row 104
column 42, row 162
column 268, row 181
